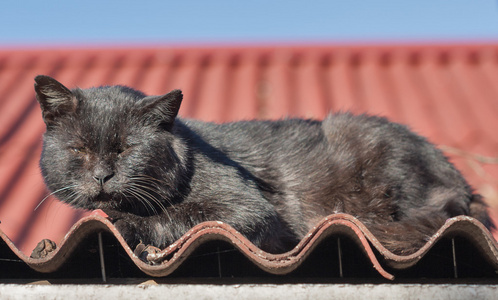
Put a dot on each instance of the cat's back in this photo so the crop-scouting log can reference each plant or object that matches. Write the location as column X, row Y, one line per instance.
column 321, row 157
column 264, row 136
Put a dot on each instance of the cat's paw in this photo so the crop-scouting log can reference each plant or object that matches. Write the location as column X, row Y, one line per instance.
column 43, row 249
column 146, row 253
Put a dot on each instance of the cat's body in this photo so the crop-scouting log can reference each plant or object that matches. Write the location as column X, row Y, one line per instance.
column 157, row 175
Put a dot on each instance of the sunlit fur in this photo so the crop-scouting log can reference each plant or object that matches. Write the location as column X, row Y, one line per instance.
column 157, row 175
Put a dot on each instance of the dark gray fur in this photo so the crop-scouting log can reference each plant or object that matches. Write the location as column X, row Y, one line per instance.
column 157, row 175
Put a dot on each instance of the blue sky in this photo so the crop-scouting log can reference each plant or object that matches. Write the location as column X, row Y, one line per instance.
column 91, row 22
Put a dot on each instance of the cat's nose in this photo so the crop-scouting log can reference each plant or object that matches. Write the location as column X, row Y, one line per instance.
column 102, row 178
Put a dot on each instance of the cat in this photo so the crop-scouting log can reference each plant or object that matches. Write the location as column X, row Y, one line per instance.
column 157, row 175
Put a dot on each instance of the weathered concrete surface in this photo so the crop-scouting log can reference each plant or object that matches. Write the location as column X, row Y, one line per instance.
column 251, row 291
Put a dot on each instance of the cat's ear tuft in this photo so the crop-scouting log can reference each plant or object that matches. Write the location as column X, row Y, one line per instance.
column 54, row 98
column 162, row 109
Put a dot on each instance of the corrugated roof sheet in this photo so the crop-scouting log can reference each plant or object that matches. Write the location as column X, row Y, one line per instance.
column 338, row 225
column 448, row 93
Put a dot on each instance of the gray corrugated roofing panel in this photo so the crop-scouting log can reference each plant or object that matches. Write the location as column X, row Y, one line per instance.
column 169, row 259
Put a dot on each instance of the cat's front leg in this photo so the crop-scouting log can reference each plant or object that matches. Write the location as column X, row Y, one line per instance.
column 128, row 225
column 135, row 230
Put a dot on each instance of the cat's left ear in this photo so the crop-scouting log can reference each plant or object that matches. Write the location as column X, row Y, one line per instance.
column 55, row 99
column 162, row 109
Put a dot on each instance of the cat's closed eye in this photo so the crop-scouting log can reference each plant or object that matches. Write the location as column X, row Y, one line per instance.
column 79, row 150
column 122, row 151
column 126, row 149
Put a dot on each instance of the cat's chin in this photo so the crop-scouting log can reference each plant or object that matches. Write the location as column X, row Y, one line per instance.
column 106, row 205
column 101, row 201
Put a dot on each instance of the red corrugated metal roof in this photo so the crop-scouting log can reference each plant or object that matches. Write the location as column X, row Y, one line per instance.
column 448, row 93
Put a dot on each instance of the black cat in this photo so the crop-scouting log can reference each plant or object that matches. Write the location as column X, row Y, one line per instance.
column 157, row 175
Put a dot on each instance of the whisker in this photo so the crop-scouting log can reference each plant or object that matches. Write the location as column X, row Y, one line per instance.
column 126, row 198
column 138, row 197
column 145, row 183
column 76, row 198
column 147, row 177
column 136, row 193
column 153, row 199
column 54, row 192
column 144, row 189
column 139, row 190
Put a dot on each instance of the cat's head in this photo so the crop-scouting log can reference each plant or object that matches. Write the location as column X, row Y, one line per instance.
column 109, row 147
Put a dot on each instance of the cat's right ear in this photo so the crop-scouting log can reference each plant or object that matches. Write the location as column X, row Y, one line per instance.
column 162, row 110
column 54, row 98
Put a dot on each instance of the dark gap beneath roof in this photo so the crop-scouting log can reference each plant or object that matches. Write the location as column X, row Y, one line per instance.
column 438, row 262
